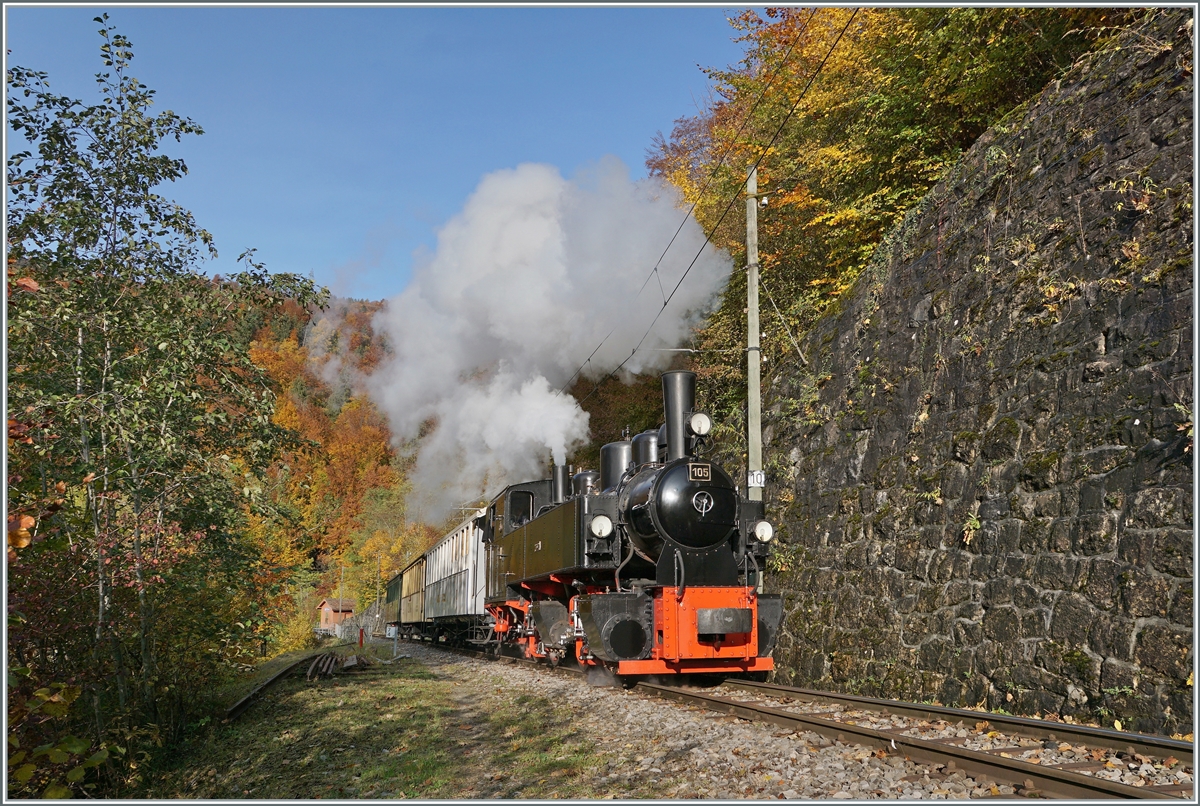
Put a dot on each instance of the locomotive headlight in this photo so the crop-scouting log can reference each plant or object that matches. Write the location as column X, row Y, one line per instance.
column 699, row 424
column 763, row 532
column 601, row 526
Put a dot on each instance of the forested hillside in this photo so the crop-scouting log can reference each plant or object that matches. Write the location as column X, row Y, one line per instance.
column 337, row 522
column 851, row 115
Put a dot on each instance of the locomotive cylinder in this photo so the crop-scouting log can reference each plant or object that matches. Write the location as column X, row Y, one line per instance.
column 679, row 398
column 559, row 486
column 615, row 459
column 645, row 448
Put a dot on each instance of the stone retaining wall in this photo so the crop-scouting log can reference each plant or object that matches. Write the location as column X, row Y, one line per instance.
column 984, row 492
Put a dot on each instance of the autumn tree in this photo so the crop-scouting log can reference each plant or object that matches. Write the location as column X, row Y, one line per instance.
column 155, row 422
column 338, row 499
column 852, row 115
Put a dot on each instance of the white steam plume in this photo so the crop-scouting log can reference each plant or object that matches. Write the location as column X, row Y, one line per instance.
column 525, row 282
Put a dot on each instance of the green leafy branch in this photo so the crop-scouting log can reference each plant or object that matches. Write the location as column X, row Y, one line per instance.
column 50, row 767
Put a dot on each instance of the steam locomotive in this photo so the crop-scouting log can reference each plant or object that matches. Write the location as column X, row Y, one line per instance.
column 653, row 565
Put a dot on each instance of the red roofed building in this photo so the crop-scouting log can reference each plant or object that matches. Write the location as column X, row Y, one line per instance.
column 334, row 611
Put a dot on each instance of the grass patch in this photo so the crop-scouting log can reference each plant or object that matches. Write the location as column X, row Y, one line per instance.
column 397, row 730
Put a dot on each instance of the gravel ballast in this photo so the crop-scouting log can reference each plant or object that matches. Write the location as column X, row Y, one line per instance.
column 1115, row 764
column 650, row 747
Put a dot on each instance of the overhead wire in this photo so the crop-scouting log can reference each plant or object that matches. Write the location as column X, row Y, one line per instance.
column 707, row 182
column 729, row 206
column 733, row 141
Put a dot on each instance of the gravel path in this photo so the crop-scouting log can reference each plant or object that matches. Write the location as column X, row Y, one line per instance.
column 649, row 747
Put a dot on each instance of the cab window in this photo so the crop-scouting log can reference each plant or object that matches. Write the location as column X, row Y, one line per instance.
column 520, row 508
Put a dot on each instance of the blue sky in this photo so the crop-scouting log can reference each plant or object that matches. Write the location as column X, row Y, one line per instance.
column 337, row 140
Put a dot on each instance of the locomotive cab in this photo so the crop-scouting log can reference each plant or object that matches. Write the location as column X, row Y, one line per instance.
column 515, row 507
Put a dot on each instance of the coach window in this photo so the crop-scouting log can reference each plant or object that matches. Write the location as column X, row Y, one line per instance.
column 520, row 508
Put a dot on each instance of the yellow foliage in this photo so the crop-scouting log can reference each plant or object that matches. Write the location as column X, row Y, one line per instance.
column 314, row 503
column 851, row 116
column 283, row 360
column 296, row 633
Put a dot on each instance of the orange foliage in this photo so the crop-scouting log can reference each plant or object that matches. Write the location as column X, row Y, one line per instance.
column 284, row 360
column 320, row 486
column 357, row 459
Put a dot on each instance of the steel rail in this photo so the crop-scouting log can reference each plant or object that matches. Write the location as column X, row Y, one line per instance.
column 511, row 659
column 1034, row 778
column 1144, row 743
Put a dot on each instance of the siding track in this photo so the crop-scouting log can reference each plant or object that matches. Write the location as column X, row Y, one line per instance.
column 239, row 707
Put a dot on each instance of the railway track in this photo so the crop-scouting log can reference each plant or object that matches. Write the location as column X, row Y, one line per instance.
column 514, row 659
column 1037, row 758
column 239, row 707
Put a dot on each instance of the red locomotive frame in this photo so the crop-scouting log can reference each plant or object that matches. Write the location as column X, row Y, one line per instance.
column 676, row 649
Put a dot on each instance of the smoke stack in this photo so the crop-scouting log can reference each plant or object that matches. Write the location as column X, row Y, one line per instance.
column 558, row 491
column 679, row 398
column 615, row 459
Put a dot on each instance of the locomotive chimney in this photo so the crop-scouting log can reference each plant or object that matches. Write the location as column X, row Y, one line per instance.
column 615, row 458
column 679, row 398
column 559, row 488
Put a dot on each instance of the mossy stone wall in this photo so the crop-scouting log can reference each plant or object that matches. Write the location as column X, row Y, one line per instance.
column 983, row 489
